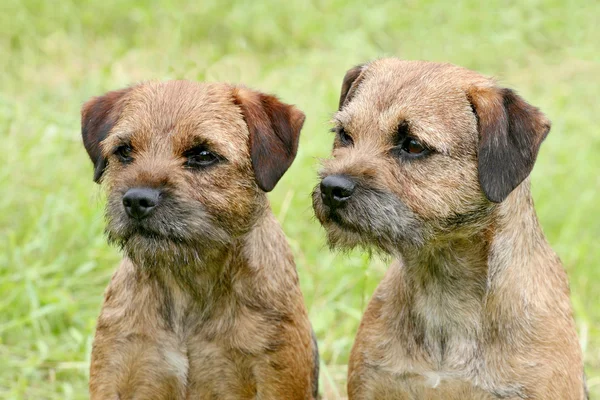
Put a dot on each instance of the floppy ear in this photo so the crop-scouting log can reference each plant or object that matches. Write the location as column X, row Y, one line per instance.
column 98, row 116
column 352, row 80
column 274, row 133
column 510, row 134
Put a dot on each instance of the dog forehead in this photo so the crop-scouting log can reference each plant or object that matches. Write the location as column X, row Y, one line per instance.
column 431, row 97
column 182, row 112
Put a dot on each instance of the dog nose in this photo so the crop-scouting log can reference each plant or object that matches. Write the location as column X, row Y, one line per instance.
column 336, row 190
column 139, row 202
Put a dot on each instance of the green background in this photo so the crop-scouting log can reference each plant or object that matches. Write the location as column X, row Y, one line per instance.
column 54, row 261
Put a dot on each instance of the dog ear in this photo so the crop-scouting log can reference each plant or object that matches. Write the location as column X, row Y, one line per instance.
column 352, row 80
column 98, row 116
column 274, row 133
column 510, row 134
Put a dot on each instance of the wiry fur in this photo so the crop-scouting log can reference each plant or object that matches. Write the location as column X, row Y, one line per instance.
column 476, row 304
column 206, row 303
column 376, row 210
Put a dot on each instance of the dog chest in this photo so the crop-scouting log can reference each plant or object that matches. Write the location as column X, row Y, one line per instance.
column 428, row 386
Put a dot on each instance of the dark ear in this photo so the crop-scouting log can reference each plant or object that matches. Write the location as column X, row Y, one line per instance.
column 274, row 132
column 98, row 116
column 351, row 81
column 510, row 134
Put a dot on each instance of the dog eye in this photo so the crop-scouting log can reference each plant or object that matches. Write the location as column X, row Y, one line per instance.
column 413, row 146
column 200, row 157
column 406, row 145
column 123, row 152
column 344, row 138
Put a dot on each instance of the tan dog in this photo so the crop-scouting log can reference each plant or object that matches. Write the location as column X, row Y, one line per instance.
column 206, row 303
column 431, row 164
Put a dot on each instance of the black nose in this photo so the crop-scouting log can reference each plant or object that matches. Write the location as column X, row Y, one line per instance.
column 139, row 202
column 336, row 190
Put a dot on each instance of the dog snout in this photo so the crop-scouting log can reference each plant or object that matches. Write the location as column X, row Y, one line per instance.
column 139, row 202
column 336, row 190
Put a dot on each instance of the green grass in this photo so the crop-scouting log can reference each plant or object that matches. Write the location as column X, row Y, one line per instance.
column 54, row 262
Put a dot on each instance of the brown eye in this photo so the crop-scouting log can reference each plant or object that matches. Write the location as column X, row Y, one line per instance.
column 123, row 152
column 413, row 146
column 407, row 146
column 200, row 157
column 344, row 138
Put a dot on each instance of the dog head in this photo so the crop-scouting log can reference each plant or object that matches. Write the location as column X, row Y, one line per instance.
column 422, row 149
column 186, row 165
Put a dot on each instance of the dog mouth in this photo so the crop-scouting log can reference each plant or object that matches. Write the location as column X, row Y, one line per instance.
column 164, row 228
column 345, row 234
column 370, row 218
column 175, row 233
column 340, row 225
column 339, row 216
column 160, row 226
column 336, row 217
column 124, row 233
column 151, row 245
column 146, row 232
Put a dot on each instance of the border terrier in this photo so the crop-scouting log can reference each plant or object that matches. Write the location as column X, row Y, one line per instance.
column 206, row 303
column 430, row 165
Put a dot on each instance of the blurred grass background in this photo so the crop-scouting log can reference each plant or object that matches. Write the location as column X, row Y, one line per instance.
column 54, row 262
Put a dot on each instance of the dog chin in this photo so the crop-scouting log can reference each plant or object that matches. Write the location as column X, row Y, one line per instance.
column 335, row 219
column 345, row 234
column 122, row 233
column 150, row 250
column 342, row 238
column 132, row 239
column 148, row 246
column 342, row 234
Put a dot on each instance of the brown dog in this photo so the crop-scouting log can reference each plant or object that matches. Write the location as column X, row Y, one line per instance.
column 206, row 303
column 431, row 165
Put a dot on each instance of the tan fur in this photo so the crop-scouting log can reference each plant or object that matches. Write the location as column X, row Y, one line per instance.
column 210, row 306
column 476, row 304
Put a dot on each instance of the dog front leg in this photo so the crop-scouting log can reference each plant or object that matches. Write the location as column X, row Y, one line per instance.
column 132, row 367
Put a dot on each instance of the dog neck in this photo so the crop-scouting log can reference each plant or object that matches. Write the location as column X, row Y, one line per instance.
column 501, row 275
